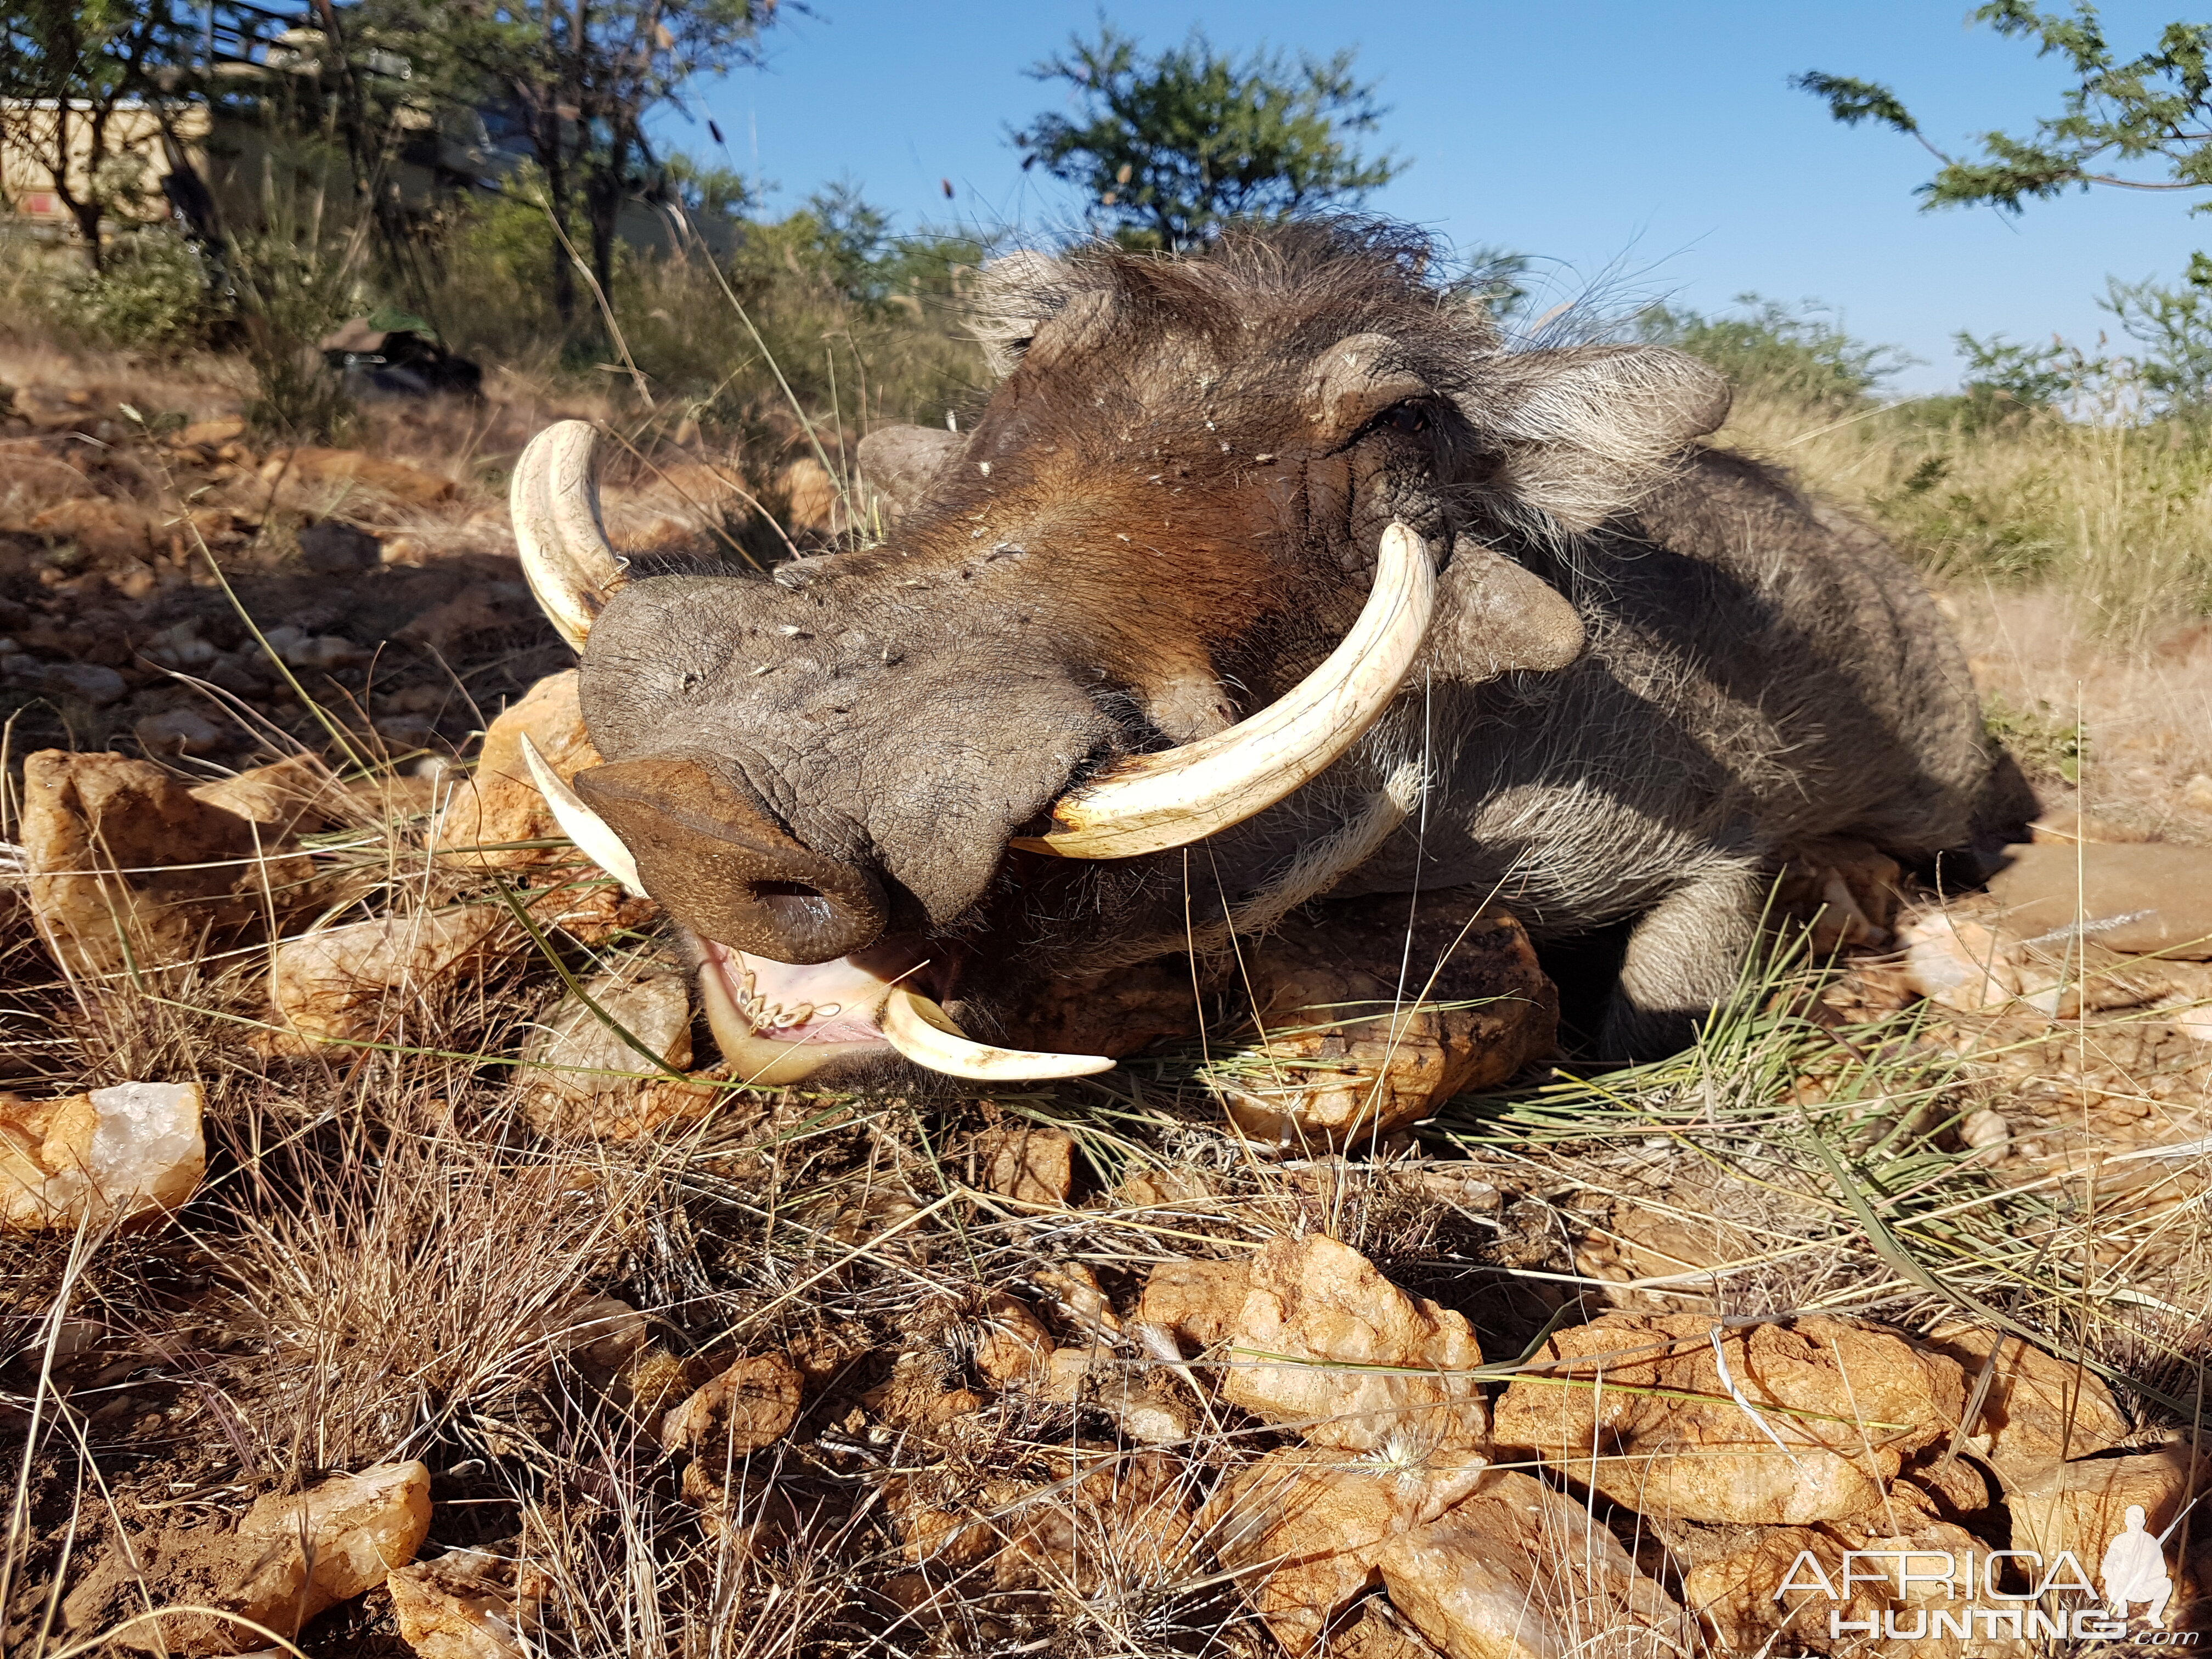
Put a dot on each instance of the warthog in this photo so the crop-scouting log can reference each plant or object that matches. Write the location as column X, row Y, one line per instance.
column 1263, row 574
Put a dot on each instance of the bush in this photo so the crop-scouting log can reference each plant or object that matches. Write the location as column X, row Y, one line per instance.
column 1803, row 354
column 154, row 296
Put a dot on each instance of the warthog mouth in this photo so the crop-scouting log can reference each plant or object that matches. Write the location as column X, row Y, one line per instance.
column 777, row 1022
column 781, row 1021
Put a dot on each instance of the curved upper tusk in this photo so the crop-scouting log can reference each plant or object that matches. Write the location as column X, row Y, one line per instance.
column 1149, row 803
column 591, row 833
column 554, row 503
column 925, row 1035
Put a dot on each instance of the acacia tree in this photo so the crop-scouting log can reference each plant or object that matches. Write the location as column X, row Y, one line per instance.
column 584, row 76
column 2140, row 123
column 1171, row 145
column 70, row 71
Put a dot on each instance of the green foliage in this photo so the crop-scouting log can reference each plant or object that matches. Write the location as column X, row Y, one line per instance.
column 2046, row 742
column 2045, row 376
column 2144, row 123
column 1172, row 145
column 151, row 295
column 1802, row 353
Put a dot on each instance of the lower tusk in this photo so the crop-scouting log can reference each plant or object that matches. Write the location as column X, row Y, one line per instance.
column 925, row 1035
column 593, row 839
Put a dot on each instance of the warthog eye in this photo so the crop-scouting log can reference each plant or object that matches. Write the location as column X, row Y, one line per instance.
column 1408, row 418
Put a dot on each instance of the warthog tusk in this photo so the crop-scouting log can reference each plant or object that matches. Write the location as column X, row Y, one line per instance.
column 591, row 833
column 925, row 1035
column 1149, row 803
column 554, row 503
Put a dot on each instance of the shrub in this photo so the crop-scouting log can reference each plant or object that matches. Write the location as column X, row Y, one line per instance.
column 1803, row 354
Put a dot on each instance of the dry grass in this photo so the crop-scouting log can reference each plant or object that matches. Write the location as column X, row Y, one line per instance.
column 388, row 1260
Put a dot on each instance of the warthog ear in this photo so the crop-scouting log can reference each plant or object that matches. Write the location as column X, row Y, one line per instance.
column 1586, row 429
column 1494, row 617
column 899, row 463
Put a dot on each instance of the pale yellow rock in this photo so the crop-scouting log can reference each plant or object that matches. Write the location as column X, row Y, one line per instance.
column 2082, row 1505
column 1034, row 1165
column 1328, row 1346
column 1012, row 1343
column 348, row 982
column 1737, row 1590
column 1520, row 1572
column 2038, row 1409
column 1961, row 965
column 577, row 1065
column 123, row 1154
column 467, row 1604
column 333, row 1541
column 497, row 802
column 1127, row 1524
column 752, row 1404
column 1305, row 1525
column 1199, row 1302
column 1637, row 1407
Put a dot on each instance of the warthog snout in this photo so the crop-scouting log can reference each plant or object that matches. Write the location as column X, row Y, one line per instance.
column 724, row 868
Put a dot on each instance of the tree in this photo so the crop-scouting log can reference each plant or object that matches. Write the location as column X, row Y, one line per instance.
column 584, row 76
column 2141, row 123
column 74, row 74
column 1170, row 146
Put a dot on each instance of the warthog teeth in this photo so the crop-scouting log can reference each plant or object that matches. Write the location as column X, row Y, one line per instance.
column 925, row 1035
column 591, row 833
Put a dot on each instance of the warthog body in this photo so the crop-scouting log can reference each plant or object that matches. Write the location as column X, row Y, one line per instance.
column 1653, row 667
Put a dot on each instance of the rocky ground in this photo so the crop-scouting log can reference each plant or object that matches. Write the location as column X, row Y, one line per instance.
column 388, row 1265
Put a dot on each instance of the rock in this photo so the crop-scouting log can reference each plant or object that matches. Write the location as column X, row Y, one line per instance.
column 603, row 1332
column 1634, row 1405
column 1340, row 1056
column 331, row 547
column 1737, row 1590
column 1961, row 965
column 1065, row 1371
column 1077, row 1289
column 468, row 1604
column 120, row 1155
column 2038, row 1410
column 1197, row 1302
column 105, row 530
column 1846, row 890
column 1378, row 1633
column 346, row 983
column 811, row 494
column 292, row 796
column 289, row 1558
column 1304, row 1526
column 1143, row 1407
column 393, row 478
column 751, row 1405
column 2148, row 898
column 1012, row 1343
column 211, row 434
column 2197, row 793
column 1520, row 1572
column 355, row 1528
column 1986, row 1134
column 2083, row 1506
column 1033, row 1165
column 317, row 654
column 497, row 804
column 1127, row 1525
column 127, row 866
column 180, row 731
column 1317, row 1310
column 575, row 1064
column 87, row 682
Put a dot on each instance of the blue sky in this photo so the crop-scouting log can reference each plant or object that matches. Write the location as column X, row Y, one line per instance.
column 1653, row 147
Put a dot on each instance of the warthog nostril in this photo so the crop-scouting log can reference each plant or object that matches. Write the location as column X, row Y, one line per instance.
column 717, row 861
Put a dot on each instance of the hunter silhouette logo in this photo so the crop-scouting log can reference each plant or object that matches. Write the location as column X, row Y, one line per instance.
column 2015, row 1593
column 2134, row 1569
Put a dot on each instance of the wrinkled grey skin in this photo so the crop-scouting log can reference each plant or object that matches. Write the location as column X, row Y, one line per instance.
column 1189, row 467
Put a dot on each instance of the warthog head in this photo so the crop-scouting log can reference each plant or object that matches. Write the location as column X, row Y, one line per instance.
column 1145, row 658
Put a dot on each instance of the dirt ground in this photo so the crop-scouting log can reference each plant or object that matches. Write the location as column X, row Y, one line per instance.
column 399, row 1252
